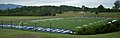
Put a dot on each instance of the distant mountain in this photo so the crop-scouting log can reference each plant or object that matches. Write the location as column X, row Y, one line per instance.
column 10, row 6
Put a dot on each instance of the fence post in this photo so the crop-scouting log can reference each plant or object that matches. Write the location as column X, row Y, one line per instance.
column 2, row 24
column 35, row 26
column 50, row 26
column 11, row 24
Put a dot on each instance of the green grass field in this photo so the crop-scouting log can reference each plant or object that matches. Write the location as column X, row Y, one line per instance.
column 8, row 33
column 60, row 21
column 67, row 23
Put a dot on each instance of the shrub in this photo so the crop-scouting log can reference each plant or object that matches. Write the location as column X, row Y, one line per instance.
column 112, row 26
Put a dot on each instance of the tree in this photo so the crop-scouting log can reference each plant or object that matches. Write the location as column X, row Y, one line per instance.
column 100, row 8
column 0, row 11
column 84, row 9
column 117, row 5
column 39, row 10
column 96, row 12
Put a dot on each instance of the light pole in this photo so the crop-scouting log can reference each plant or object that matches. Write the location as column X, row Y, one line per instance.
column 22, row 24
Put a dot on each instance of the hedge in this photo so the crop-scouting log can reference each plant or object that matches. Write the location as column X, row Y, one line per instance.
column 111, row 26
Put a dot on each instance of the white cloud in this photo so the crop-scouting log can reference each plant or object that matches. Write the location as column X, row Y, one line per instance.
column 89, row 3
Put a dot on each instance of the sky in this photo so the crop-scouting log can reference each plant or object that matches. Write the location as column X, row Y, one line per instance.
column 77, row 3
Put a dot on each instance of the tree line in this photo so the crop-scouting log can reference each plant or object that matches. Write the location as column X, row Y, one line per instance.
column 38, row 10
column 53, row 10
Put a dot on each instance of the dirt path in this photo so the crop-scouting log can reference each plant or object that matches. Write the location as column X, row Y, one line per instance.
column 38, row 18
column 48, row 17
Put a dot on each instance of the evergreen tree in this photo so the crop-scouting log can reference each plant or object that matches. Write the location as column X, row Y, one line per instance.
column 100, row 8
